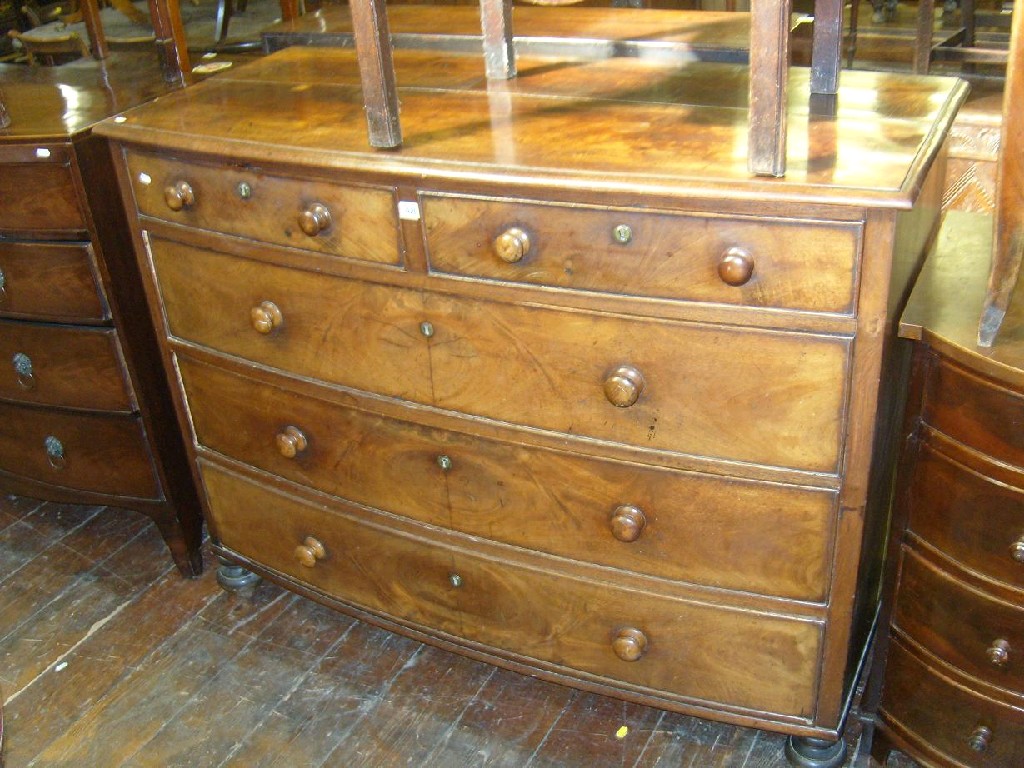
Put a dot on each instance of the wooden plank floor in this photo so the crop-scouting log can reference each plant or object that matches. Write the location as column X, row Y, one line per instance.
column 109, row 658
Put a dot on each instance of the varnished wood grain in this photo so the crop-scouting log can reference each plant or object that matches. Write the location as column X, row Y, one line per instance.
column 39, row 196
column 49, row 281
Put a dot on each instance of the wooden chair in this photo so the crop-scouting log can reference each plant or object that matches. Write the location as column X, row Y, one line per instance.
column 1008, row 237
column 50, row 49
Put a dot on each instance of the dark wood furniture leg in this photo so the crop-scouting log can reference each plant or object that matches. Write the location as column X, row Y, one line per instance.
column 94, row 27
column 499, row 54
column 827, row 51
column 769, row 67
column 170, row 40
column 377, row 72
column 923, row 40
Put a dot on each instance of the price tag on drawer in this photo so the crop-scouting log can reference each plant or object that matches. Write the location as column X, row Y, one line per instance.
column 408, row 210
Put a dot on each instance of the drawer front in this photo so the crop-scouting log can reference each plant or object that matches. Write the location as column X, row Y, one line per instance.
column 756, row 537
column 760, row 263
column 757, row 396
column 62, row 365
column 50, row 282
column 973, row 631
column 342, row 220
column 38, row 196
column 975, row 520
column 976, row 412
column 341, row 331
column 88, row 452
column 496, row 603
column 947, row 717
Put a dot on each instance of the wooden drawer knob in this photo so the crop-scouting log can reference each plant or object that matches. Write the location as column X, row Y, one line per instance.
column 309, row 552
column 512, row 245
column 624, row 386
column 266, row 317
column 628, row 522
column 736, row 266
column 291, row 442
column 981, row 737
column 315, row 219
column 999, row 652
column 629, row 644
column 1017, row 550
column 179, row 195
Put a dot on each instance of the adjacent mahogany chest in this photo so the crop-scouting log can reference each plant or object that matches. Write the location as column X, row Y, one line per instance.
column 556, row 385
column 954, row 675
column 85, row 412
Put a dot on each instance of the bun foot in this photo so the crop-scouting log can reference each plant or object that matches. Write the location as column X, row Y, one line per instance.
column 805, row 752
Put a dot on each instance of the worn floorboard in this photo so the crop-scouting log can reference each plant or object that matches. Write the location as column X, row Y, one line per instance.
column 109, row 658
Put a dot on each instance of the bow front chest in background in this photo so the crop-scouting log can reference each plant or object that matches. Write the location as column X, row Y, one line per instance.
column 556, row 384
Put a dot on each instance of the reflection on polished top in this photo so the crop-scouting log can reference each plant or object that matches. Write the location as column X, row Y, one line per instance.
column 55, row 102
column 585, row 125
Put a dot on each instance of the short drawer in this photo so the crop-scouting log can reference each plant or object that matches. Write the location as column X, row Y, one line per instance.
column 975, row 520
column 973, row 631
column 800, row 265
column 757, row 537
column 50, row 282
column 63, row 365
column 975, row 411
column 944, row 718
column 357, row 222
column 686, row 649
column 87, row 452
column 39, row 196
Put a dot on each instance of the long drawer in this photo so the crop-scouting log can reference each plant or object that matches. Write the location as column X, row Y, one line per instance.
column 972, row 518
column 353, row 221
column 520, row 608
column 732, row 260
column 69, row 366
column 975, row 632
column 758, row 537
column 765, row 397
column 88, row 452
column 39, row 196
column 944, row 718
column 50, row 281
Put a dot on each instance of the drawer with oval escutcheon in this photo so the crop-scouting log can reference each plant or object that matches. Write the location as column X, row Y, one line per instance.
column 349, row 220
column 800, row 265
column 758, row 537
column 488, row 597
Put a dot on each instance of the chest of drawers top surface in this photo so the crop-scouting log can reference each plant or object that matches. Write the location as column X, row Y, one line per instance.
column 612, row 125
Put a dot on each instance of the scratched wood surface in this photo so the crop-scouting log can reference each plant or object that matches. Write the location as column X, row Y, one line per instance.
column 109, row 658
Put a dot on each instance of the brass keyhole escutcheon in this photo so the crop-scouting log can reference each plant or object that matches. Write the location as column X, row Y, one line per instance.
column 244, row 190
column 623, row 234
column 444, row 462
column 23, row 370
column 55, row 452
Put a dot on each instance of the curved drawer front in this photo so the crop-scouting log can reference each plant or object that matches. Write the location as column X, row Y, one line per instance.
column 970, row 517
column 342, row 331
column 973, row 631
column 49, row 282
column 757, row 537
column 731, row 260
column 38, row 196
column 683, row 651
column 758, row 396
column 944, row 718
column 103, row 454
column 66, row 366
column 974, row 411
column 342, row 220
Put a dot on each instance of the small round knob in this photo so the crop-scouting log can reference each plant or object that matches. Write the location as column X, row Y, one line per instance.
column 55, row 452
column 315, row 219
column 179, row 195
column 455, row 580
column 1017, row 550
column 309, row 551
column 981, row 737
column 629, row 644
column 627, row 522
column 999, row 652
column 736, row 266
column 23, row 369
column 624, row 386
column 512, row 245
column 291, row 442
column 266, row 317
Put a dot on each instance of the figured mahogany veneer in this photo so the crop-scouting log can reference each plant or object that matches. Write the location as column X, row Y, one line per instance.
column 557, row 384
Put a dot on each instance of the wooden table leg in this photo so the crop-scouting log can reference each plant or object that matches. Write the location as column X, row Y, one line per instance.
column 170, row 40
column 769, row 73
column 377, row 72
column 499, row 54
column 826, row 58
column 923, row 39
column 94, row 28
column 289, row 10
